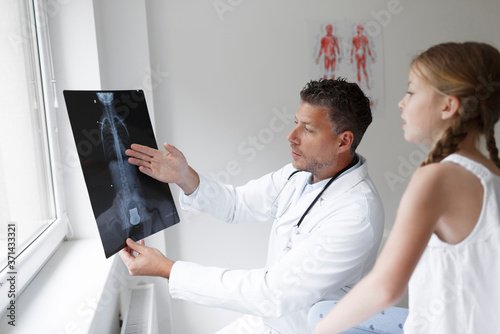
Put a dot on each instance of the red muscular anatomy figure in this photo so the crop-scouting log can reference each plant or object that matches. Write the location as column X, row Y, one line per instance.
column 329, row 49
column 360, row 47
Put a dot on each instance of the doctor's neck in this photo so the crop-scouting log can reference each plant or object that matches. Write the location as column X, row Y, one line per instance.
column 341, row 163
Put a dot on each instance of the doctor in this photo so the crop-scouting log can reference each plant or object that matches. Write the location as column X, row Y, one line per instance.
column 327, row 218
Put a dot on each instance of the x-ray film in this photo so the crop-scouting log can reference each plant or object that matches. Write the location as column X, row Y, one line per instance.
column 126, row 203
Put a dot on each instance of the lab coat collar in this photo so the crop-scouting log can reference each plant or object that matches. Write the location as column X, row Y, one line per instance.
column 347, row 181
column 340, row 186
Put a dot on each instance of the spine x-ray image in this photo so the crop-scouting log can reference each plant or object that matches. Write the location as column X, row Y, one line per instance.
column 115, row 140
column 126, row 203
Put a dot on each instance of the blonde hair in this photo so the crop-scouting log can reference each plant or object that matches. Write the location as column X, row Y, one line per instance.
column 471, row 72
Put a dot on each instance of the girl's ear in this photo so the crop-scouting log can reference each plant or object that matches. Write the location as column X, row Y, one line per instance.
column 450, row 107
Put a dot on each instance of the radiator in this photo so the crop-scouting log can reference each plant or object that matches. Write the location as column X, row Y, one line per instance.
column 139, row 313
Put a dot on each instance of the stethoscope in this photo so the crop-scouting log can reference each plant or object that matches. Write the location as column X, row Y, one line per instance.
column 354, row 161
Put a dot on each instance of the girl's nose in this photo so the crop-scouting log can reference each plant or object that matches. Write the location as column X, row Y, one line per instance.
column 401, row 104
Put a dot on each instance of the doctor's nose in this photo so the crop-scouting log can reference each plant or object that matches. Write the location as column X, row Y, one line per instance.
column 292, row 136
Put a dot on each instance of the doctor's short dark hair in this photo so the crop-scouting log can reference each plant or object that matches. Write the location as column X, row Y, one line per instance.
column 347, row 106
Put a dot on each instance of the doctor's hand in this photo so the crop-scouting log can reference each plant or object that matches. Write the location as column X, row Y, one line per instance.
column 169, row 166
column 148, row 262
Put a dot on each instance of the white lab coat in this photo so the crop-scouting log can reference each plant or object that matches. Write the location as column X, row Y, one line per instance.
column 335, row 245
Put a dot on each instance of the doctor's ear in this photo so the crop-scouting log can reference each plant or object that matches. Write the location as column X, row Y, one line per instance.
column 344, row 141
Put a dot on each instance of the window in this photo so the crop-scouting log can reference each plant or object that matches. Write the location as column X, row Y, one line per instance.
column 31, row 224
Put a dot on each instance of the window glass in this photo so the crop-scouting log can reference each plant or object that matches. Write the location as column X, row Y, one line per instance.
column 26, row 190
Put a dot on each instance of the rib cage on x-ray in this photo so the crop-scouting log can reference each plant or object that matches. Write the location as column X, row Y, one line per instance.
column 129, row 201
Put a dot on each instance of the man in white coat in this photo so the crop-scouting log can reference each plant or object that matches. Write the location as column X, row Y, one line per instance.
column 327, row 218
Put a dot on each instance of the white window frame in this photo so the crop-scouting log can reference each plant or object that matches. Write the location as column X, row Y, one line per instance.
column 29, row 261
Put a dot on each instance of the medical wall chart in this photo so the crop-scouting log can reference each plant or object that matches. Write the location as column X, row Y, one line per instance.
column 349, row 49
column 126, row 203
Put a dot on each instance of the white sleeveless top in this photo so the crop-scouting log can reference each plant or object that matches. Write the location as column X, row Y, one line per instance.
column 456, row 288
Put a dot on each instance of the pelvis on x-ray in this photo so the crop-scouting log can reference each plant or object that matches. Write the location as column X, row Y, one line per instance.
column 126, row 203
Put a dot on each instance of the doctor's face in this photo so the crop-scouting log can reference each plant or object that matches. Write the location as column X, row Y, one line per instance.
column 314, row 146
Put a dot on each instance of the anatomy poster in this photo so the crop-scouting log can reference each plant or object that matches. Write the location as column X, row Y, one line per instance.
column 350, row 49
column 126, row 203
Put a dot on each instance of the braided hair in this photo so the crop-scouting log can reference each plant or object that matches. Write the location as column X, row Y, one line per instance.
column 471, row 72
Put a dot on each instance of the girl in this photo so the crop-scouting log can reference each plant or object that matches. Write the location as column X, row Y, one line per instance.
column 446, row 236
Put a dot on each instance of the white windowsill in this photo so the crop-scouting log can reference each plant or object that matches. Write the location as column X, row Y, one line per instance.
column 65, row 294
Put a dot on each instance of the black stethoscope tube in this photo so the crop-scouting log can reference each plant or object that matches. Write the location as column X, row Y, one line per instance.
column 352, row 164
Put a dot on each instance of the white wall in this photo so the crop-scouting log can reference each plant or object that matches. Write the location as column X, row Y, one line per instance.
column 76, row 67
column 218, row 83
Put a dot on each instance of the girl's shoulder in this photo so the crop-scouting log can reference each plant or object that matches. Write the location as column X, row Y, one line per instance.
column 435, row 174
column 445, row 179
column 452, row 169
column 452, row 193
